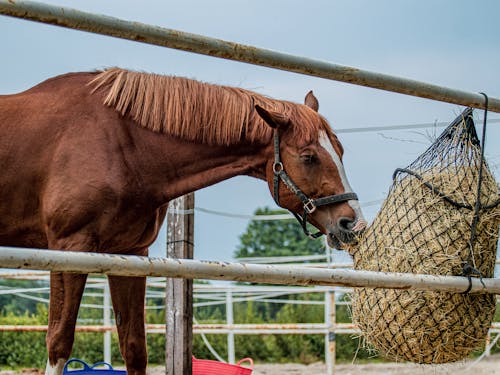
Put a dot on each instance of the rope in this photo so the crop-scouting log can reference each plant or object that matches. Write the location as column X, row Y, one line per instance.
column 469, row 268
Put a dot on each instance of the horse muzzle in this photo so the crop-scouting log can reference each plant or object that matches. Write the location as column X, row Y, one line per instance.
column 346, row 231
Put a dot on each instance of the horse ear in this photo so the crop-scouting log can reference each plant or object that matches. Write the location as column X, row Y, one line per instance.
column 311, row 101
column 274, row 119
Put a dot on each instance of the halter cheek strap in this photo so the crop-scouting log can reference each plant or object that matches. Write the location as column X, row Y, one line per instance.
column 309, row 204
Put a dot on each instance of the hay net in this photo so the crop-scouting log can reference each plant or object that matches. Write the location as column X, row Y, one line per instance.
column 424, row 226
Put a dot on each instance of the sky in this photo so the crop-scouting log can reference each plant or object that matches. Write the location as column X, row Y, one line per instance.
column 450, row 43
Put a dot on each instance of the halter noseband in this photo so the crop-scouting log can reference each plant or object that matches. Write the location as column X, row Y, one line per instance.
column 309, row 204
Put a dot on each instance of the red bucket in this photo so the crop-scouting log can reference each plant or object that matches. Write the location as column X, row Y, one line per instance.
column 208, row 367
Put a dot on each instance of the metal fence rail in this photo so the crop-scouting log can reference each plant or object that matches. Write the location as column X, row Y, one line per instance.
column 66, row 261
column 136, row 31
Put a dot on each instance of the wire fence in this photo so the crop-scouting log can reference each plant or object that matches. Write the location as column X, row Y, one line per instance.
column 208, row 295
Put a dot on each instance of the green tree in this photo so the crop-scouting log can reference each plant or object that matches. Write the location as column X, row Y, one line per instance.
column 276, row 238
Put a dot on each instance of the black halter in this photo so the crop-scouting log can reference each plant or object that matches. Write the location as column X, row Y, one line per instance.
column 310, row 204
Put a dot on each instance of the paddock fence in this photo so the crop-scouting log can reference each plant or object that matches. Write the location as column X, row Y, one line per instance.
column 207, row 296
column 190, row 269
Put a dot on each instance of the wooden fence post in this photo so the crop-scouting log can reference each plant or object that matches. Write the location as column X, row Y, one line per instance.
column 179, row 296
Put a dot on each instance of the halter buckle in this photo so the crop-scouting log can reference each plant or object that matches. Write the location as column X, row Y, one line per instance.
column 309, row 206
column 277, row 167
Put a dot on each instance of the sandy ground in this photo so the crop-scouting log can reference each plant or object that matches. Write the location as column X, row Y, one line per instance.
column 488, row 366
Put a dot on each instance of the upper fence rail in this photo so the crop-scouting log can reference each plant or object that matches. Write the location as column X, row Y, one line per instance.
column 139, row 32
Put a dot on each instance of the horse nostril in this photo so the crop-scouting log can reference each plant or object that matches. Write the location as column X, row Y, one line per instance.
column 346, row 224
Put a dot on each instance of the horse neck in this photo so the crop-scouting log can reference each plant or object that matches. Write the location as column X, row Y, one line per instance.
column 189, row 166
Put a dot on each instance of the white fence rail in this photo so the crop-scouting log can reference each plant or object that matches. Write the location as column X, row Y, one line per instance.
column 78, row 262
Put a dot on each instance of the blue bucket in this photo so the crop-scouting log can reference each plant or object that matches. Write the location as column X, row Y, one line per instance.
column 91, row 370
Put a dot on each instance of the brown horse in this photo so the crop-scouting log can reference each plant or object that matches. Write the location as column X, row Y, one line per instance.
column 89, row 162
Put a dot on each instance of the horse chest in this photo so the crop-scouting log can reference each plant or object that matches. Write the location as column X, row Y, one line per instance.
column 134, row 229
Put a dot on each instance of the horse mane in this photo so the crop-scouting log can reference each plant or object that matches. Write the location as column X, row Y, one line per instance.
column 196, row 111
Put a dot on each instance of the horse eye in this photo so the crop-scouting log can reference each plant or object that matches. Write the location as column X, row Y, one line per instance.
column 308, row 158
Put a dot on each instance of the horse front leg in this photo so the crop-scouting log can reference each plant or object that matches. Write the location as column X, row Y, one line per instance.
column 65, row 295
column 127, row 295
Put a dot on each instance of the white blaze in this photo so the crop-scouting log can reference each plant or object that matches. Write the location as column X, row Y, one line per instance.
column 325, row 142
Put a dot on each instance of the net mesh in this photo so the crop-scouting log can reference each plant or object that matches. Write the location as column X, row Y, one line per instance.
column 424, row 226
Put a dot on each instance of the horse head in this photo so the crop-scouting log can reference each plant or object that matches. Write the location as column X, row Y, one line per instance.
column 306, row 174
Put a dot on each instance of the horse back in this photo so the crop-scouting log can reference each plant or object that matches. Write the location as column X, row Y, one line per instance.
column 33, row 122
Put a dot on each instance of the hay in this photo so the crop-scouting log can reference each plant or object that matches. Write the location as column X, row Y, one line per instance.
column 417, row 231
